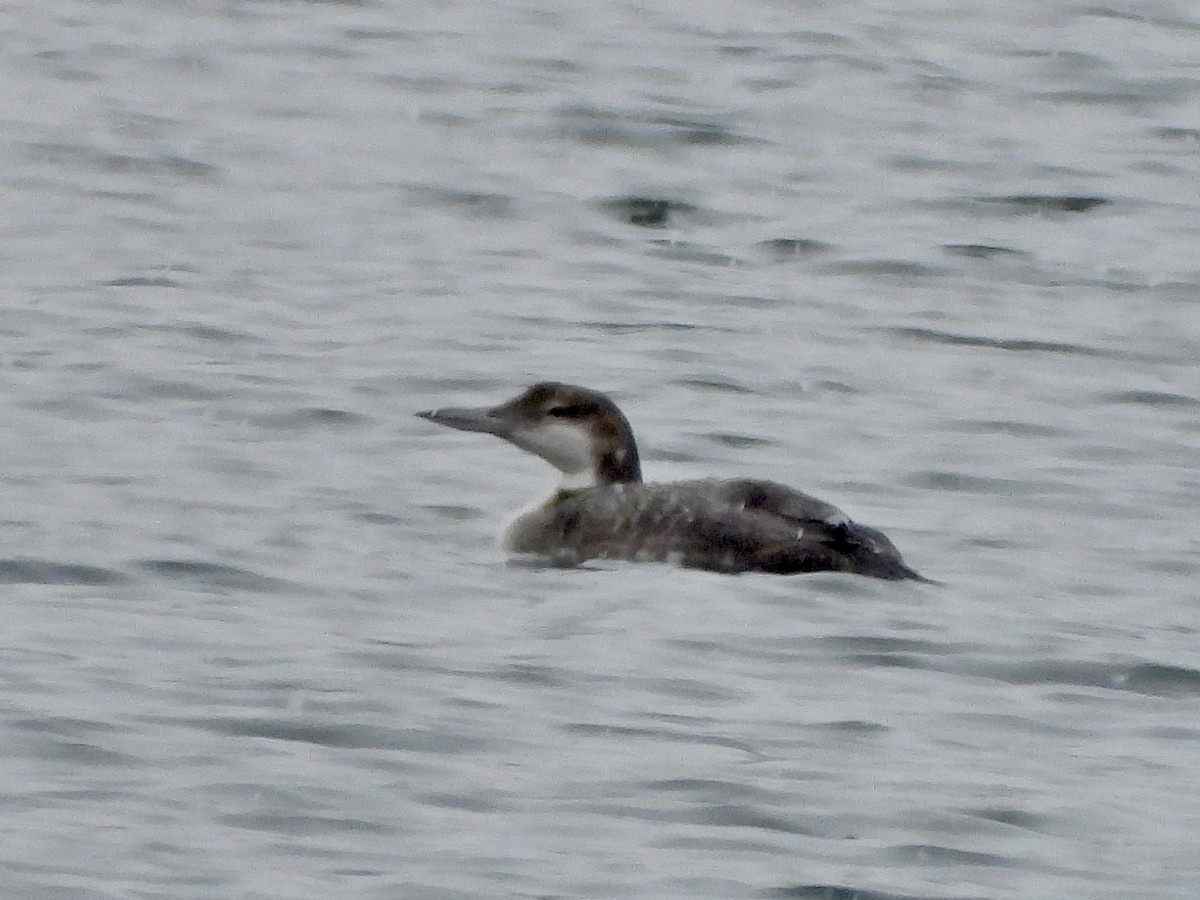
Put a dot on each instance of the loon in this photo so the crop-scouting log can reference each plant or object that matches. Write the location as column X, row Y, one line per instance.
column 603, row 510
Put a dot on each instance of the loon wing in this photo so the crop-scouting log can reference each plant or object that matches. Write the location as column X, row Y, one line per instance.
column 779, row 500
column 858, row 548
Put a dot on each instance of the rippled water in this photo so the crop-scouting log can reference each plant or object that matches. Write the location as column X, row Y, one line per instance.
column 934, row 263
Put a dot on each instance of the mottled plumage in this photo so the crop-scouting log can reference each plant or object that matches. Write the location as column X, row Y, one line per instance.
column 604, row 511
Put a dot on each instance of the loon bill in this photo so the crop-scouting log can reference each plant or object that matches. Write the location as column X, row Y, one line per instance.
column 603, row 509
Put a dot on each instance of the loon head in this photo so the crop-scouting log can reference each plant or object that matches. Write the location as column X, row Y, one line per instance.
column 578, row 431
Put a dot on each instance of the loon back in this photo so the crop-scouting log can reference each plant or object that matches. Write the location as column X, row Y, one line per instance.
column 602, row 509
column 722, row 526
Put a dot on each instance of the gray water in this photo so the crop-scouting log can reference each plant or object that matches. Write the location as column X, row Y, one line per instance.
column 935, row 263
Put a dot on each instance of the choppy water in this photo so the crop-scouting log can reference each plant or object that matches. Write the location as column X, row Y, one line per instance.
column 935, row 263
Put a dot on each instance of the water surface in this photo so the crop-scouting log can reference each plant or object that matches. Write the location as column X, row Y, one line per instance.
column 933, row 264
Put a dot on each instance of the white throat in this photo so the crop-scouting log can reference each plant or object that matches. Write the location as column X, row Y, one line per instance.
column 565, row 446
column 577, row 481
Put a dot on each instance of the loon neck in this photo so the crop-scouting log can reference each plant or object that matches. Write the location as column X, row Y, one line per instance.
column 619, row 464
column 615, row 467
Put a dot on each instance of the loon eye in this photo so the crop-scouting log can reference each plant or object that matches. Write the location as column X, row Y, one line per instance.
column 571, row 411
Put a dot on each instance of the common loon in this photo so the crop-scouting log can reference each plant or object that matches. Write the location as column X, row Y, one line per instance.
column 603, row 510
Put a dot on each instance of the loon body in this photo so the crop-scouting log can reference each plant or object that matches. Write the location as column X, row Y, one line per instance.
column 603, row 509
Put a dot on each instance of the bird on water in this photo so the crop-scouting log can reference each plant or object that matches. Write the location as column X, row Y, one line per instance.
column 603, row 510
